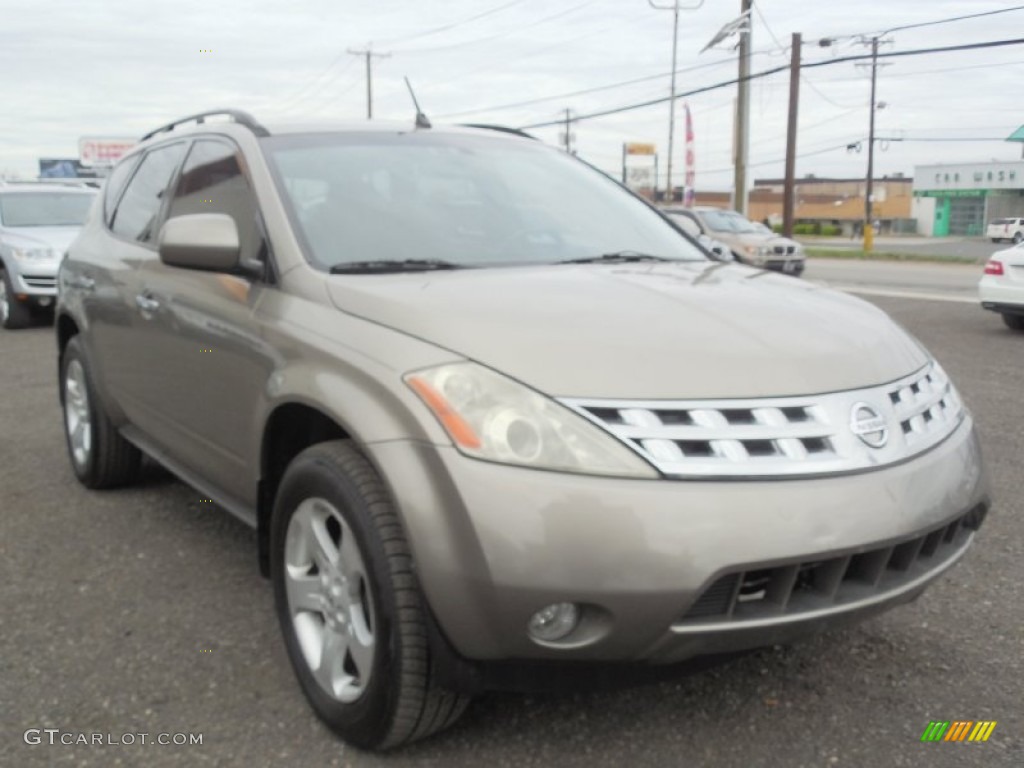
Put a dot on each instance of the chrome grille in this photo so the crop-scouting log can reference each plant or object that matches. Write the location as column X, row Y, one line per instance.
column 40, row 281
column 793, row 588
column 786, row 436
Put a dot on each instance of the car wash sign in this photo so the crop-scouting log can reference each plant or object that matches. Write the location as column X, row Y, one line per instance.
column 102, row 151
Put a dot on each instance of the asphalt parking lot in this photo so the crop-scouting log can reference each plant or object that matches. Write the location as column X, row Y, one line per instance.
column 141, row 611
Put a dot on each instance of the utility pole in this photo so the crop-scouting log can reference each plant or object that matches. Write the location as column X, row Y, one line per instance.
column 743, row 114
column 794, row 102
column 869, row 230
column 369, row 75
column 669, row 192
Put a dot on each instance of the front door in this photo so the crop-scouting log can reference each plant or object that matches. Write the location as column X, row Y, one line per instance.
column 942, row 206
column 207, row 359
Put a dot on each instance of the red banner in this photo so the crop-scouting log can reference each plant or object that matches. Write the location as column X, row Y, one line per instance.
column 689, row 193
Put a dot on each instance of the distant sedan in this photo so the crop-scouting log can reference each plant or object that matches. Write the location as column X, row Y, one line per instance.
column 1002, row 286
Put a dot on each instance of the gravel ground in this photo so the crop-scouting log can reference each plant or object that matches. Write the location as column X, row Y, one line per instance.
column 141, row 610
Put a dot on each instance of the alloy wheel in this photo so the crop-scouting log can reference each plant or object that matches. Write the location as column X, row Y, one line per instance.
column 77, row 419
column 5, row 302
column 329, row 599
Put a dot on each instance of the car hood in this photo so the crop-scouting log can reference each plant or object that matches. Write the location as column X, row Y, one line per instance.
column 687, row 330
column 57, row 238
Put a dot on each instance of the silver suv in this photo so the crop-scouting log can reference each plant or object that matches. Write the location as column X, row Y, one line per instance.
column 751, row 243
column 37, row 223
column 488, row 412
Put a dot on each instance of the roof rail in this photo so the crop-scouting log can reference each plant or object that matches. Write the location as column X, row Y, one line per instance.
column 501, row 128
column 239, row 116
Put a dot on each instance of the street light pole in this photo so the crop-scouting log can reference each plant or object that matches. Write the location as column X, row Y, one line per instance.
column 743, row 116
column 675, row 8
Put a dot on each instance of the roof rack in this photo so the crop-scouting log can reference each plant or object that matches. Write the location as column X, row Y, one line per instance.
column 238, row 115
column 501, row 128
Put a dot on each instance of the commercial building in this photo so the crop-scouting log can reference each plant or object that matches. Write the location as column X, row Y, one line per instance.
column 960, row 199
column 830, row 203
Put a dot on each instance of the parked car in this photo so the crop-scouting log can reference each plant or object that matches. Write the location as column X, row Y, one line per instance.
column 1006, row 229
column 751, row 243
column 37, row 222
column 491, row 417
column 1001, row 288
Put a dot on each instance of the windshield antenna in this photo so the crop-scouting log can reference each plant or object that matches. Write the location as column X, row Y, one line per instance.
column 421, row 119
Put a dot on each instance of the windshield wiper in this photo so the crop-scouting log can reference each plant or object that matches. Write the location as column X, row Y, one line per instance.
column 391, row 265
column 618, row 257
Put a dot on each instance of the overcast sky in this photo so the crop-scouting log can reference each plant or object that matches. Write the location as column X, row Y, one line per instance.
column 121, row 67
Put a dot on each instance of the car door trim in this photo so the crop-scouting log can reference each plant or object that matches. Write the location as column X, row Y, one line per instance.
column 221, row 498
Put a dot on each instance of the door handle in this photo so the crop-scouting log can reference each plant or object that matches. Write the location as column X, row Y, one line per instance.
column 146, row 303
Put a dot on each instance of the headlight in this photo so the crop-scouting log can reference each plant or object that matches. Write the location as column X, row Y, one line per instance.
column 33, row 254
column 489, row 416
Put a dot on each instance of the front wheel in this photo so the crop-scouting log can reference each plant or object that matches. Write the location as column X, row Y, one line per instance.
column 1017, row 238
column 1014, row 322
column 349, row 603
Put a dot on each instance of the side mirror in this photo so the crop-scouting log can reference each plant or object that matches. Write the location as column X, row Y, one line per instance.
column 207, row 241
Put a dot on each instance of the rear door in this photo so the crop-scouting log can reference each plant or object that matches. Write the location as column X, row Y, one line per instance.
column 106, row 265
column 207, row 363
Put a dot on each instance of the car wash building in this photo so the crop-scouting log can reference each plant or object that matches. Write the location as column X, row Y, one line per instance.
column 961, row 199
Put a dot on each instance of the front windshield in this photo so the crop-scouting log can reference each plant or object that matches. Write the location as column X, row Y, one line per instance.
column 464, row 199
column 728, row 221
column 44, row 209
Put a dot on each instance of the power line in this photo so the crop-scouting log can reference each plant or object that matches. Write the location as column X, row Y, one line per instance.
column 903, row 27
column 453, row 25
column 785, row 67
column 947, row 138
column 306, row 90
column 803, row 78
column 507, row 32
column 953, row 18
column 585, row 91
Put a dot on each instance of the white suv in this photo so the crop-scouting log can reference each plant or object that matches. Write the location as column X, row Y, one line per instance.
column 1006, row 229
column 38, row 221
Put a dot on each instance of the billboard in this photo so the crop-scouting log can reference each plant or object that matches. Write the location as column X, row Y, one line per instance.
column 103, row 150
column 640, row 148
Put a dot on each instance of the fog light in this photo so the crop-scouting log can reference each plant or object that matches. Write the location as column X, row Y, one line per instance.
column 554, row 622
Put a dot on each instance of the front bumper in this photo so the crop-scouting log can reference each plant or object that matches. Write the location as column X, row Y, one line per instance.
column 35, row 281
column 788, row 266
column 493, row 544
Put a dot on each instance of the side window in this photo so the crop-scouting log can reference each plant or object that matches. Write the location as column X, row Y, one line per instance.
column 114, row 184
column 212, row 182
column 140, row 205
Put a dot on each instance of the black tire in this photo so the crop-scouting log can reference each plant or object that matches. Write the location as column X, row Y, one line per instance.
column 1018, row 237
column 399, row 700
column 18, row 313
column 1014, row 322
column 111, row 461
